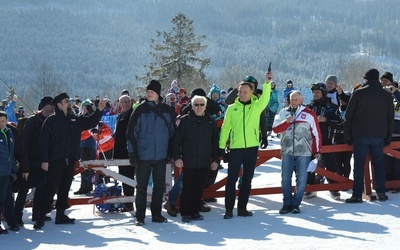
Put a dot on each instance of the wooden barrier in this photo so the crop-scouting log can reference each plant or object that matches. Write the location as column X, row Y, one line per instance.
column 99, row 166
column 341, row 183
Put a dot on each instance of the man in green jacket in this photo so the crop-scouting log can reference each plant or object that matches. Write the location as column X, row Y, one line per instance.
column 241, row 127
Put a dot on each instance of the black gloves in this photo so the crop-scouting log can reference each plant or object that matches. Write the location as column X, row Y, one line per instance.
column 264, row 142
column 133, row 159
column 224, row 155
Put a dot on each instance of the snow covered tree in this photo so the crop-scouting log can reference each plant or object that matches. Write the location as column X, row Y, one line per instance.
column 175, row 56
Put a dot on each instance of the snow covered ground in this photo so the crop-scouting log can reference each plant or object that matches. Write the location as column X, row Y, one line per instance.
column 322, row 224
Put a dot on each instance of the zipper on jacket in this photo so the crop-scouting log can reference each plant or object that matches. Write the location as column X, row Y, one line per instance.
column 244, row 127
column 294, row 127
column 8, row 146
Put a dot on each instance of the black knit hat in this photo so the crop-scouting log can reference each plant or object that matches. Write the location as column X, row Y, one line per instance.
column 198, row 91
column 125, row 92
column 372, row 74
column 388, row 76
column 155, row 86
column 44, row 101
column 59, row 98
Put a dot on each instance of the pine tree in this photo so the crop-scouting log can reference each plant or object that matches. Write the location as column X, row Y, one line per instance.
column 175, row 56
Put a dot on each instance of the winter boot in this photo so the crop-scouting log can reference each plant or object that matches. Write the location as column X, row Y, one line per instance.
column 61, row 218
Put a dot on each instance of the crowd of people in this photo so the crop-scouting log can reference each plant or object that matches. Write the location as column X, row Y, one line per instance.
column 194, row 130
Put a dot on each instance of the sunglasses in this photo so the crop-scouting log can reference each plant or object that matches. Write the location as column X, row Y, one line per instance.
column 250, row 79
column 199, row 104
column 317, row 86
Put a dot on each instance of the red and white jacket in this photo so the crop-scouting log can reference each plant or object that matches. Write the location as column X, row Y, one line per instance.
column 303, row 136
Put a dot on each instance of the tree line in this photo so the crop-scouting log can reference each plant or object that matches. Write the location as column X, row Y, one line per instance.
column 100, row 47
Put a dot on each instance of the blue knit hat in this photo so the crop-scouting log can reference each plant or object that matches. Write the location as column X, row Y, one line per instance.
column 214, row 89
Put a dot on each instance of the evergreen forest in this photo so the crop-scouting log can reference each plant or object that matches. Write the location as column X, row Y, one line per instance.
column 100, row 47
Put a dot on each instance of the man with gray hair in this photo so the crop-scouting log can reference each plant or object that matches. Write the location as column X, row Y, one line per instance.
column 195, row 150
column 300, row 139
column 120, row 151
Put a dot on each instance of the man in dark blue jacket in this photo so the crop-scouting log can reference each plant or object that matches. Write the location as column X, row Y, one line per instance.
column 7, row 163
column 59, row 145
column 150, row 128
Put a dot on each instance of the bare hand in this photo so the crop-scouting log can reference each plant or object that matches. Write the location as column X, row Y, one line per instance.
column 339, row 88
column 214, row 166
column 45, row 166
column 102, row 104
column 289, row 119
column 269, row 76
column 25, row 176
column 390, row 89
column 179, row 163
column 321, row 118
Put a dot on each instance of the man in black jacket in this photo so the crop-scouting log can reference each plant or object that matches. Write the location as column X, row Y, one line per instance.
column 120, row 151
column 195, row 149
column 37, row 176
column 59, row 145
column 329, row 120
column 369, row 127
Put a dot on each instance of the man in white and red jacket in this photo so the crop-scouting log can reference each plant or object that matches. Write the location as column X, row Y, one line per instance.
column 300, row 139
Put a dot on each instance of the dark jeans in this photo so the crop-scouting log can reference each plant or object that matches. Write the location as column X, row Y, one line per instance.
column 194, row 180
column 9, row 207
column 143, row 171
column 176, row 190
column 361, row 146
column 237, row 157
column 128, row 171
column 6, row 200
column 4, row 181
column 59, row 179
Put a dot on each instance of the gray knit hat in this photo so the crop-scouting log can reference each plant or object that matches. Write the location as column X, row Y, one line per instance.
column 331, row 78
